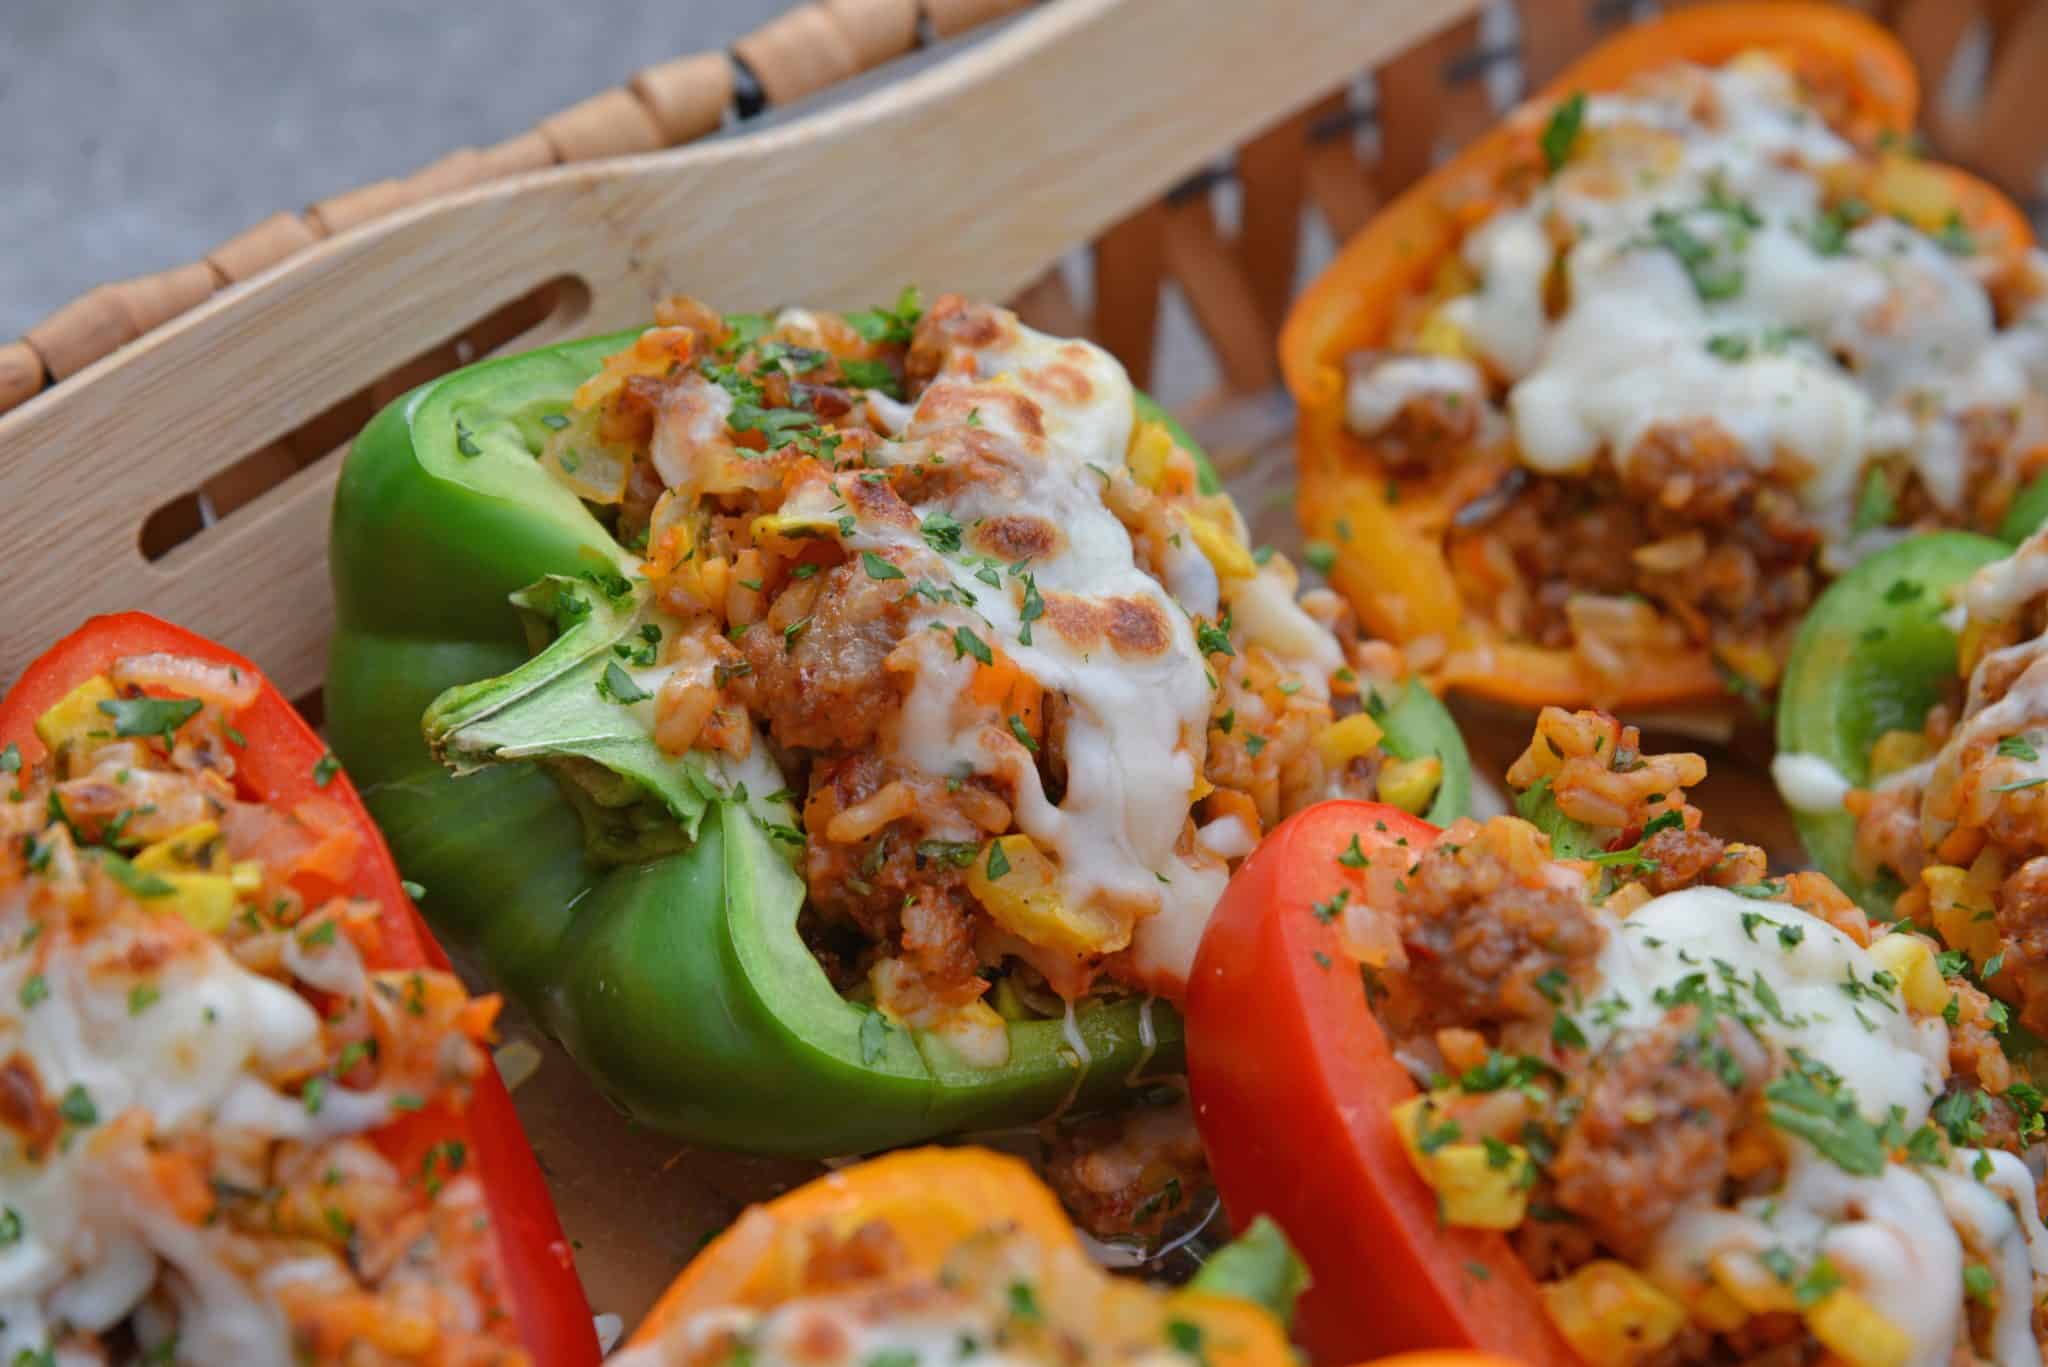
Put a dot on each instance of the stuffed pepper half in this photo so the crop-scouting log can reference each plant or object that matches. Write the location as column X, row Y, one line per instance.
column 940, row 1256
column 1933, row 797
column 904, row 694
column 1594, row 1085
column 247, row 1114
column 1594, row 412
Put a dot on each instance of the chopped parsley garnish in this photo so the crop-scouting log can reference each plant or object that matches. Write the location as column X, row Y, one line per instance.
column 1821, row 1281
column 965, row 642
column 10, row 759
column 140, row 882
column 2018, row 747
column 76, row 1106
column 1354, row 854
column 877, row 567
column 958, row 853
column 941, row 532
column 465, row 441
column 1955, row 236
column 871, row 375
column 998, row 862
column 141, row 997
column 10, row 1227
column 35, row 991
column 1829, row 235
column 1321, row 555
column 1962, row 1113
column 889, row 324
column 1033, row 609
column 1711, row 277
column 1561, row 131
column 150, row 716
column 1904, row 591
column 618, row 686
column 1023, row 1301
column 1326, row 912
column 1022, row 733
column 1979, row 1283
column 1213, row 638
column 1808, row 1100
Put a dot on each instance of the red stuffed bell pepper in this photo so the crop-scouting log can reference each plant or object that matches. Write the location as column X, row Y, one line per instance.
column 1590, row 1084
column 248, row 1113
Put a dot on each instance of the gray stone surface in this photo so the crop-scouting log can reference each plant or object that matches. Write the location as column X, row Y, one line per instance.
column 140, row 133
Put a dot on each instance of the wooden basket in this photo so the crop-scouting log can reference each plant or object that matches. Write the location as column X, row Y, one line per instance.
column 171, row 442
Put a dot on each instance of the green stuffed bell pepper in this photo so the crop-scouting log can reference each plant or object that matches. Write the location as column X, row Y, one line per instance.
column 835, row 729
column 1874, row 658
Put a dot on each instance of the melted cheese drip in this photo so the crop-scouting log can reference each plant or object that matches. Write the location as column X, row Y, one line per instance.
column 93, row 1235
column 1809, row 783
column 1631, row 350
column 1137, row 726
column 1901, row 1238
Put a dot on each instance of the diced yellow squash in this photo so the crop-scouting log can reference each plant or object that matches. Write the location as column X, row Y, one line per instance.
column 1742, row 1275
column 1478, row 1190
column 1854, row 1331
column 190, row 849
column 247, row 877
column 976, row 1033
column 1896, row 750
column 1352, row 738
column 1718, row 1311
column 1960, row 902
column 794, row 526
column 1611, row 1314
column 1475, row 1189
column 1440, row 336
column 1411, row 784
column 206, row 900
column 1024, row 898
column 1910, row 959
column 1151, row 454
column 1220, row 545
column 1909, row 188
column 76, row 714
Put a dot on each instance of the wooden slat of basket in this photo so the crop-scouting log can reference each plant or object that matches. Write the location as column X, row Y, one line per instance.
column 977, row 173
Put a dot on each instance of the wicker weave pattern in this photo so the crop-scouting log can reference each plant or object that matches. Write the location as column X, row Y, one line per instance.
column 1428, row 101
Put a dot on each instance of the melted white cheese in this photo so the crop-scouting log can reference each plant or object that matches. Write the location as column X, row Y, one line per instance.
column 1809, row 783
column 1376, row 396
column 1136, row 726
column 1901, row 1238
column 94, row 1236
column 1631, row 349
column 1883, row 1054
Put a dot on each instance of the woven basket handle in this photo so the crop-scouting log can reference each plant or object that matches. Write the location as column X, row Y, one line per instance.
column 974, row 175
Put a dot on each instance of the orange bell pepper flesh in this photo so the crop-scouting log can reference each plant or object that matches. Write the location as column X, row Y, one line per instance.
column 1391, row 563
column 282, row 765
column 1296, row 1114
column 931, row 1199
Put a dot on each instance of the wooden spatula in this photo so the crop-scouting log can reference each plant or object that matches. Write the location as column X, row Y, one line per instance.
column 972, row 175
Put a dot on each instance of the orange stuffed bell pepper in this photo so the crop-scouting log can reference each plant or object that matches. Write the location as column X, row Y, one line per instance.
column 929, row 1256
column 934, row 1257
column 1589, row 1084
column 1591, row 413
column 248, row 1114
